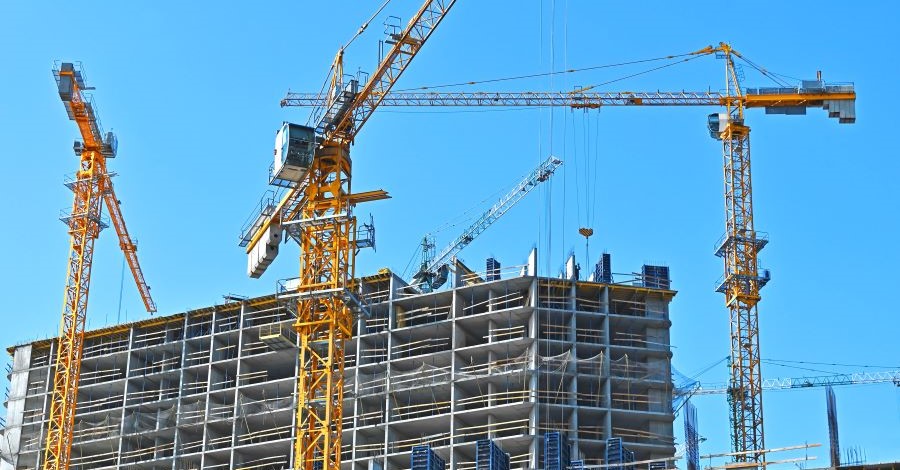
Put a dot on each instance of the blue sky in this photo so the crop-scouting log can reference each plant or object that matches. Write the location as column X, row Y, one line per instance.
column 192, row 92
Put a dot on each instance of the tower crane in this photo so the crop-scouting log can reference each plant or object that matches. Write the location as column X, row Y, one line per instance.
column 314, row 165
column 434, row 270
column 91, row 183
column 739, row 247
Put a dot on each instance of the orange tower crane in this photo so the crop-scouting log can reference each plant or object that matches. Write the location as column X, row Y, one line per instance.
column 740, row 245
column 314, row 164
column 90, row 184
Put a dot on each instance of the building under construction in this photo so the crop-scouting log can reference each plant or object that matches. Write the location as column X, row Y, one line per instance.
column 503, row 355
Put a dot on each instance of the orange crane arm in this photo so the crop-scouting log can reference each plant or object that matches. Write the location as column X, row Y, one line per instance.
column 129, row 246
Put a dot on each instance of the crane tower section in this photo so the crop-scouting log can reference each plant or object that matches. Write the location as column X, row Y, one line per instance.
column 92, row 186
column 317, row 212
column 84, row 225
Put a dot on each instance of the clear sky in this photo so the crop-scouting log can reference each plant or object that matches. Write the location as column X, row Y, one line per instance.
column 192, row 91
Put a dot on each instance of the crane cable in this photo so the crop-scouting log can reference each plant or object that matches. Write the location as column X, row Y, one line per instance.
column 764, row 361
column 411, row 262
column 763, row 71
column 475, row 210
column 362, row 27
column 587, row 219
column 687, row 57
column 550, row 198
column 832, row 364
column 325, row 83
column 593, row 218
column 466, row 216
column 550, row 74
column 706, row 369
column 636, row 74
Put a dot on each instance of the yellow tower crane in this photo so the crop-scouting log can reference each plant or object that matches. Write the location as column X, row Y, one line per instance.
column 741, row 243
column 90, row 184
column 314, row 164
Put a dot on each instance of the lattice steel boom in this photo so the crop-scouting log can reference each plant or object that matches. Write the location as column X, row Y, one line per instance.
column 755, row 98
column 788, row 383
column 537, row 176
column 740, row 245
column 90, row 184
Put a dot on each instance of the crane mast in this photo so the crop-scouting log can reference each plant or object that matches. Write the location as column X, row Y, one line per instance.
column 740, row 246
column 743, row 280
column 91, row 186
column 428, row 276
column 317, row 211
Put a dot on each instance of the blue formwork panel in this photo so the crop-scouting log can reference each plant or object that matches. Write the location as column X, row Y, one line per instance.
column 657, row 465
column 493, row 270
column 556, row 451
column 489, row 456
column 423, row 458
column 656, row 277
column 615, row 453
column 577, row 465
column 603, row 269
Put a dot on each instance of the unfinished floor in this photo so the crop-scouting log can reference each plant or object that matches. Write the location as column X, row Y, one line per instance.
column 508, row 359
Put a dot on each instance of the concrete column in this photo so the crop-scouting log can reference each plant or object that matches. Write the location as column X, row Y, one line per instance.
column 387, row 386
column 294, row 405
column 237, row 381
column 534, row 324
column 46, row 409
column 181, row 377
column 572, row 431
column 454, row 393
column 607, row 387
column 128, row 366
column 15, row 406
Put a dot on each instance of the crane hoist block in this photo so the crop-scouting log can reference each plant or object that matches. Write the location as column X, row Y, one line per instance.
column 295, row 147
